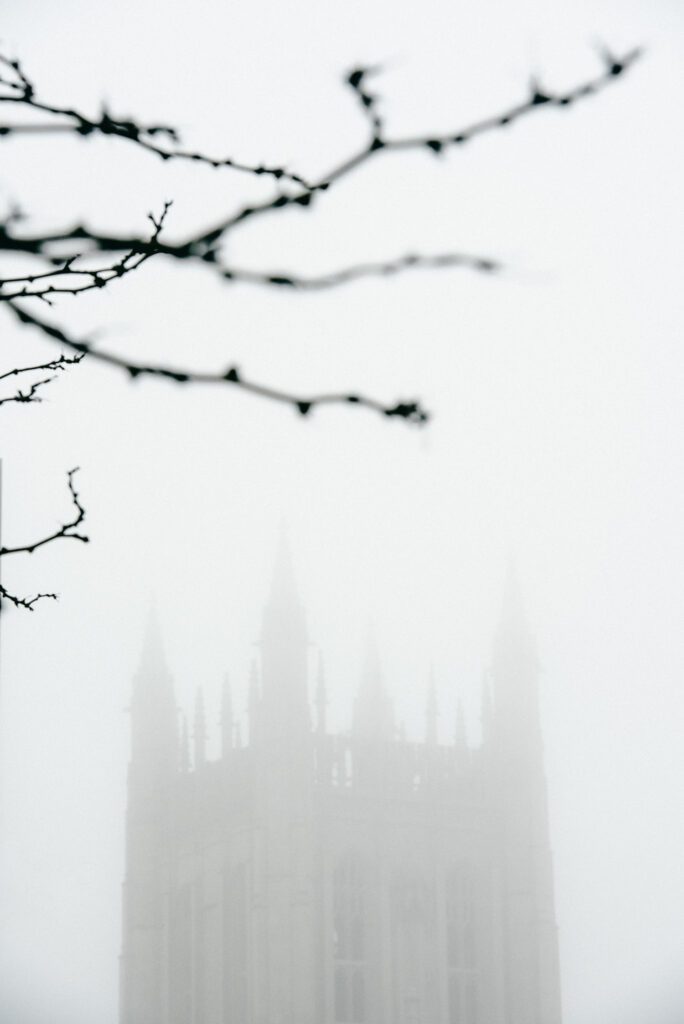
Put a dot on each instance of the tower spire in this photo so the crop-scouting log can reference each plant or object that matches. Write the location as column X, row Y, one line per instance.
column 321, row 699
column 284, row 656
column 200, row 732
column 283, row 585
column 227, row 730
column 431, row 711
column 517, row 763
column 373, row 711
column 512, row 619
column 253, row 702
column 460, row 732
column 514, row 676
column 184, row 746
column 154, row 726
column 486, row 708
column 153, row 769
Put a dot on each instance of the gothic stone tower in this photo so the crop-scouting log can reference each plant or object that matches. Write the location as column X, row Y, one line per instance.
column 310, row 878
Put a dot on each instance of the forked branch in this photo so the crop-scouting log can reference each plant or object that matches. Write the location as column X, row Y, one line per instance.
column 31, row 392
column 17, row 90
column 205, row 245
column 67, row 531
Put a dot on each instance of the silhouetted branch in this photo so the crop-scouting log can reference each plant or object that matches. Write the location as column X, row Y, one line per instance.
column 20, row 91
column 205, row 246
column 31, row 394
column 40, row 246
column 81, row 279
column 347, row 274
column 538, row 97
column 357, row 80
column 68, row 274
column 408, row 410
column 22, row 602
column 68, row 531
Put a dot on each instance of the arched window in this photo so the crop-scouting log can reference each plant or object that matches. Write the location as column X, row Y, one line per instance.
column 349, row 934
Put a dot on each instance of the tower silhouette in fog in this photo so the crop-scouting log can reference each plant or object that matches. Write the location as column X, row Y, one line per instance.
column 311, row 878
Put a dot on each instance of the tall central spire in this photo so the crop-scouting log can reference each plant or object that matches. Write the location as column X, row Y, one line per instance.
column 153, row 706
column 514, row 678
column 373, row 711
column 283, row 585
column 431, row 710
column 284, row 648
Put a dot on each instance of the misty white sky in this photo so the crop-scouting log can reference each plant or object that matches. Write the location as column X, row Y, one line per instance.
column 557, row 435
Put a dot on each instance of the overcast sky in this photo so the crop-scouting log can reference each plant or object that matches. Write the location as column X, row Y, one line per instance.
column 557, row 436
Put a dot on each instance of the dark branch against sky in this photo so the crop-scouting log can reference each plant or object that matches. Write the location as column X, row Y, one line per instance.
column 71, row 274
column 70, row 530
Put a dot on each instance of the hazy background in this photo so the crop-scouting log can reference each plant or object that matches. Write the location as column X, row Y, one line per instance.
column 557, row 434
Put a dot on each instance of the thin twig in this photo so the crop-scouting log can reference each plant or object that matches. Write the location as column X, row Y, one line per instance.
column 20, row 91
column 437, row 144
column 42, row 286
column 319, row 282
column 204, row 245
column 31, row 395
column 68, row 531
column 22, row 602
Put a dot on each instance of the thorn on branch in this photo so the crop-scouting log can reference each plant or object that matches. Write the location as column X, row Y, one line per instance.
column 538, row 96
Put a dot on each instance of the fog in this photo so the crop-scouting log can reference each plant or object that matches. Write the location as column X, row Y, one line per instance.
column 555, row 440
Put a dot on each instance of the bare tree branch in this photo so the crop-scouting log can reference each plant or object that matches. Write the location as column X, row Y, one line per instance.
column 43, row 286
column 353, row 273
column 358, row 80
column 303, row 404
column 69, row 274
column 205, row 245
column 31, row 395
column 40, row 246
column 22, row 602
column 437, row 144
column 20, row 91
column 68, row 531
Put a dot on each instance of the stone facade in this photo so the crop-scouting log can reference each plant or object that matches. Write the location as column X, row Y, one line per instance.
column 311, row 878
